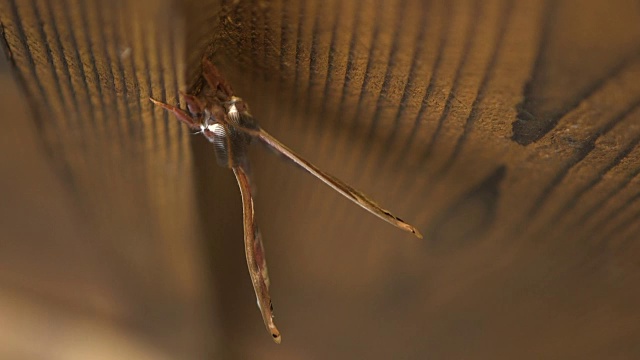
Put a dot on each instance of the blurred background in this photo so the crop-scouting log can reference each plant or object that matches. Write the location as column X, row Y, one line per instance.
column 507, row 131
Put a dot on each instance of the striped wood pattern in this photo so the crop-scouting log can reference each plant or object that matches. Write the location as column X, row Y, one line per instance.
column 507, row 131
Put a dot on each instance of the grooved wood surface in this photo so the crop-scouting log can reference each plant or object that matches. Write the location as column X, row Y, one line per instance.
column 507, row 131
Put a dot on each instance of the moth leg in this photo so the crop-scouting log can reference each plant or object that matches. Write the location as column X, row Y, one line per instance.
column 194, row 105
column 215, row 80
column 179, row 113
column 254, row 251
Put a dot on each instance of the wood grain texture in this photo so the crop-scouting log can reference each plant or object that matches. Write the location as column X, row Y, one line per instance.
column 132, row 262
column 508, row 131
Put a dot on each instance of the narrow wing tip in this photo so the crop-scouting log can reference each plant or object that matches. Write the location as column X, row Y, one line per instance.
column 408, row 228
column 275, row 335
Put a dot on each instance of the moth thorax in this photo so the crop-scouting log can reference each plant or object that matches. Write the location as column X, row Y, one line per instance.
column 233, row 114
column 237, row 109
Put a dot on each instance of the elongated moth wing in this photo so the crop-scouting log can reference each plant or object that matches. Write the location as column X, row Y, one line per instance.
column 254, row 251
column 335, row 183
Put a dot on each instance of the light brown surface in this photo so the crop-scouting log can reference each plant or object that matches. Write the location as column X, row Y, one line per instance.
column 531, row 226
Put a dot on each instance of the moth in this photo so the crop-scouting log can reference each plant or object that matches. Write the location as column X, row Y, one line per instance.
column 224, row 119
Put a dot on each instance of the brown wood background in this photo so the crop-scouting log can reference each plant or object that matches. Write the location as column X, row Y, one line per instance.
column 507, row 131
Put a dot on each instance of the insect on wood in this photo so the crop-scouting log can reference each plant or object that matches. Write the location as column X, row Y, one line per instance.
column 224, row 119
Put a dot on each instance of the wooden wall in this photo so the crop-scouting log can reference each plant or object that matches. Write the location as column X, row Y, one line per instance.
column 507, row 131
